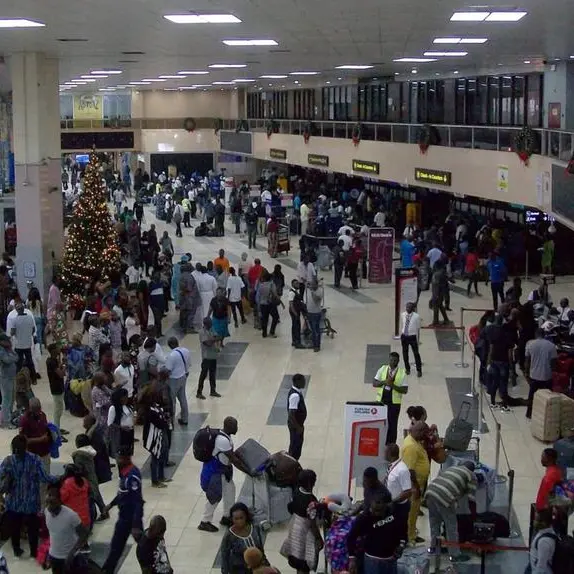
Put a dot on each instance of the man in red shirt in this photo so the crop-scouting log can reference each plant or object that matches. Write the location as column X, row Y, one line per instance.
column 254, row 273
column 552, row 477
column 471, row 270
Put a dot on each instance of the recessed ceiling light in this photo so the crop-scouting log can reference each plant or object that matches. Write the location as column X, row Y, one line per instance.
column 415, row 60
column 93, row 78
column 244, row 80
column 527, row 61
column 469, row 16
column 414, row 72
column 171, row 77
column 460, row 40
column 296, row 81
column 505, row 16
column 85, row 81
column 193, row 72
column 437, row 74
column 222, row 83
column 250, row 43
column 339, row 79
column 474, row 40
column 446, row 41
column 269, row 84
column 445, row 54
column 455, row 72
column 139, row 83
column 111, row 72
column 227, row 66
column 20, row 23
column 153, row 80
column 202, row 18
column 353, row 67
column 396, row 73
column 303, row 73
column 273, row 76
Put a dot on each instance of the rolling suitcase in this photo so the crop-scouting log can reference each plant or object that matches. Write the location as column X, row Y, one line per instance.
column 459, row 432
column 545, row 422
column 254, row 457
column 565, row 449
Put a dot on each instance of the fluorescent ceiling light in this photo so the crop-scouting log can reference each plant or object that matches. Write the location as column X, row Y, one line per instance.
column 222, row 83
column 469, row 16
column 193, row 73
column 84, row 81
column 474, row 40
column 80, row 83
column 446, row 41
column 188, row 87
column 171, row 77
column 353, row 67
column 244, row 80
column 527, row 61
column 106, row 90
column 171, row 89
column 273, row 76
column 153, row 80
column 250, row 42
column 505, row 16
column 415, row 60
column 20, row 23
column 200, row 86
column 227, row 66
column 142, row 83
column 460, row 40
column 303, row 73
column 455, row 72
column 70, row 84
column 111, row 72
column 202, row 18
column 445, row 54
column 92, row 77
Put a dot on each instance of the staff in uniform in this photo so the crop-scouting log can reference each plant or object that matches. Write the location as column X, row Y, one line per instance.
column 391, row 386
column 296, row 416
column 129, row 501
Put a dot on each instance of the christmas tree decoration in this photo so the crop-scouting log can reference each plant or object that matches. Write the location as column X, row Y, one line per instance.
column 92, row 247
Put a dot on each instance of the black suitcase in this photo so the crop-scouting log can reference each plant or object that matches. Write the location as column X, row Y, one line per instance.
column 565, row 449
column 254, row 457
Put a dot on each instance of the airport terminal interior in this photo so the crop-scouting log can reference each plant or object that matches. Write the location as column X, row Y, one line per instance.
column 409, row 165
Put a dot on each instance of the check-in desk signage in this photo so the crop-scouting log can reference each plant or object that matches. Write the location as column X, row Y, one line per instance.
column 314, row 159
column 433, row 176
column 278, row 153
column 366, row 166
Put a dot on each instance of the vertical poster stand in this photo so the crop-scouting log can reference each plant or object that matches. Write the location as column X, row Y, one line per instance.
column 405, row 291
column 365, row 437
column 380, row 248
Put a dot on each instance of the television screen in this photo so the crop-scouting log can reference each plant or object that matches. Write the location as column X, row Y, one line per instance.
column 82, row 158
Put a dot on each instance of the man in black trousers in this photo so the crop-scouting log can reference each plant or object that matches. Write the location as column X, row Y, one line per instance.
column 296, row 416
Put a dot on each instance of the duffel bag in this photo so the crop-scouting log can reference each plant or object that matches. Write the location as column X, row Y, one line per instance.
column 283, row 469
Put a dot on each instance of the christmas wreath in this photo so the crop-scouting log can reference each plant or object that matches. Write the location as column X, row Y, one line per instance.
column 307, row 130
column 271, row 128
column 189, row 125
column 217, row 125
column 356, row 134
column 426, row 136
column 525, row 144
column 242, row 126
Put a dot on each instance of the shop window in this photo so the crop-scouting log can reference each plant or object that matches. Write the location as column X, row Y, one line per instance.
column 534, row 96
column 460, row 101
column 506, row 101
column 494, row 101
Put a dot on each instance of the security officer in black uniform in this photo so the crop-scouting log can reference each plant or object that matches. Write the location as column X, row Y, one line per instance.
column 296, row 416
column 129, row 501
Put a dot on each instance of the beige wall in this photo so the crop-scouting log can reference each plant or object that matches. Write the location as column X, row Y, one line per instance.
column 178, row 141
column 157, row 104
column 474, row 172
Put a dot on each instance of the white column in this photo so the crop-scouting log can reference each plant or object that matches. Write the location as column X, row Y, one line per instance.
column 37, row 155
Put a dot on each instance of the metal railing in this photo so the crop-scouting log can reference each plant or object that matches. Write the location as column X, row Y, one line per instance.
column 557, row 144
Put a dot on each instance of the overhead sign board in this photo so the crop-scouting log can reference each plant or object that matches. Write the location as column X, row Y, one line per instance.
column 366, row 166
column 433, row 176
column 278, row 153
column 315, row 159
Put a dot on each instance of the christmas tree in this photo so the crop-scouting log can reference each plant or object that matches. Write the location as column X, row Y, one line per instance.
column 92, row 243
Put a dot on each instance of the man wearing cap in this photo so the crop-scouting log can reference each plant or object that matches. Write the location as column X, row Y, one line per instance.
column 129, row 501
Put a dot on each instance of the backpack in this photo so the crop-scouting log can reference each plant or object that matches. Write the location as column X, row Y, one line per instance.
column 204, row 443
column 563, row 559
column 177, row 216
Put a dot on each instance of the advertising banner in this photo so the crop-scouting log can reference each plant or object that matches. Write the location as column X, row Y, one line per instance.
column 381, row 244
column 88, row 107
column 406, row 284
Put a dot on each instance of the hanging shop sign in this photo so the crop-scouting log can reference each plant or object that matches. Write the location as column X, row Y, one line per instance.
column 433, row 176
column 315, row 159
column 366, row 166
column 88, row 107
column 381, row 244
column 278, row 153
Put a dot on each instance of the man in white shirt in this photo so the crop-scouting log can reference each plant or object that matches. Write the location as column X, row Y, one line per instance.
column 343, row 229
column 133, row 275
column 398, row 482
column 235, row 287
column 461, row 231
column 380, row 218
column 434, row 255
column 347, row 240
column 304, row 214
column 410, row 230
column 119, row 198
column 410, row 327
column 223, row 453
column 305, row 274
column 23, row 331
column 178, row 363
column 124, row 374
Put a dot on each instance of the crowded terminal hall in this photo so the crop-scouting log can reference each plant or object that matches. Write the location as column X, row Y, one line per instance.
column 273, row 305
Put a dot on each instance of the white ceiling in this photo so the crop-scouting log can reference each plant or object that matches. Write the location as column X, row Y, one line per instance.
column 315, row 35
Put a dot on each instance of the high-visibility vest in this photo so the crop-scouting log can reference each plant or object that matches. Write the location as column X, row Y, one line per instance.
column 396, row 397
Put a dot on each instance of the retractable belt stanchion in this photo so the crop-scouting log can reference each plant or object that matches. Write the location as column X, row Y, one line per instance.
column 499, row 478
column 461, row 364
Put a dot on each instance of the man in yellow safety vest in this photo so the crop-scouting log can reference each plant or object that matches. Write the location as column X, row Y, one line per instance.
column 391, row 385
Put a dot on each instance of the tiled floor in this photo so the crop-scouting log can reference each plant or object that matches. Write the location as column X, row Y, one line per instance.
column 254, row 377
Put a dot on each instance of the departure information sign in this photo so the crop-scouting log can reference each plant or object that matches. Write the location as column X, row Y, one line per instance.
column 366, row 166
column 433, row 176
